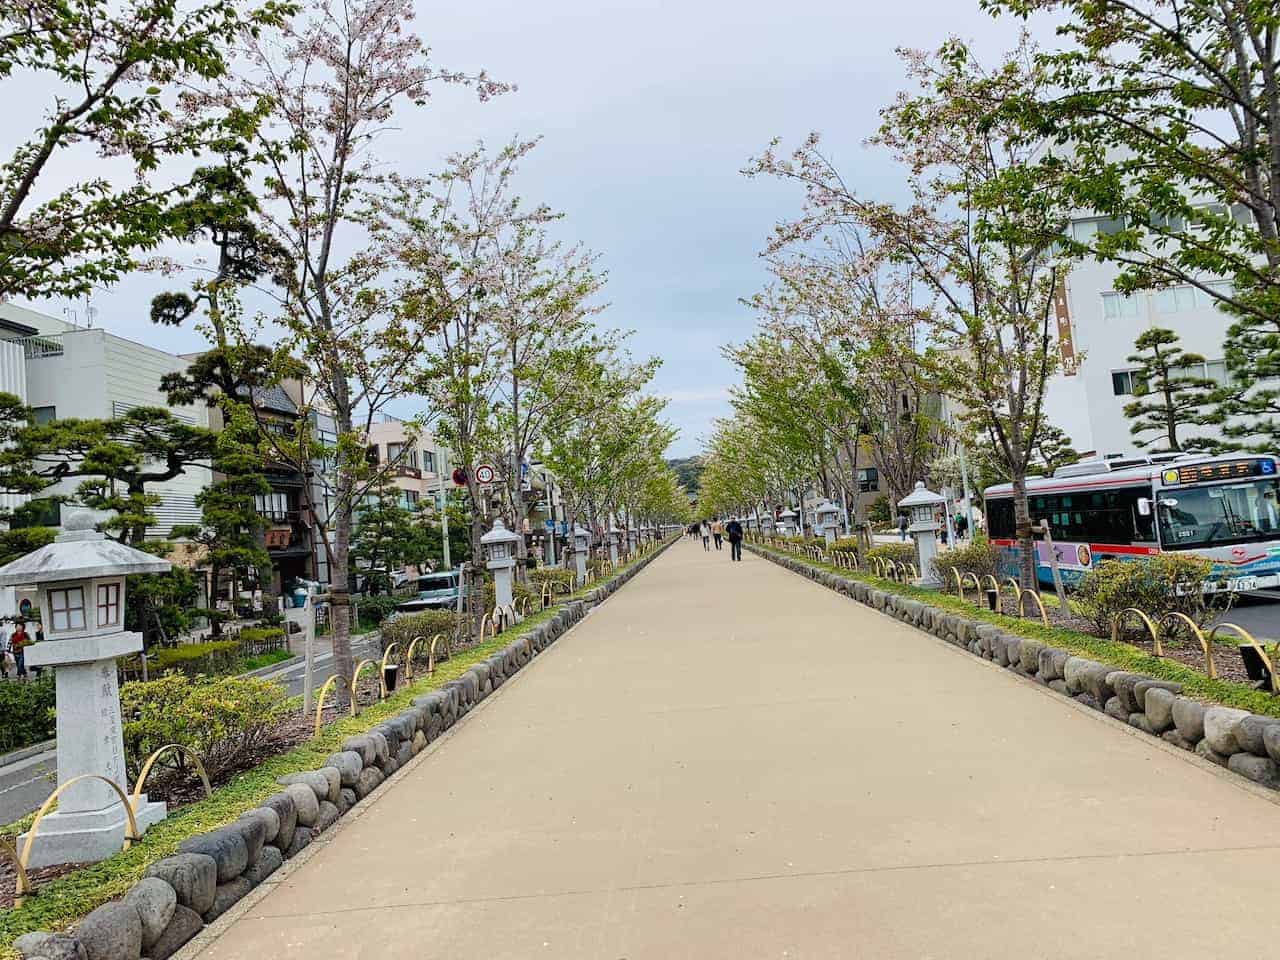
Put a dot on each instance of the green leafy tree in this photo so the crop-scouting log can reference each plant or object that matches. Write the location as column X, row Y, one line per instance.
column 1163, row 119
column 1166, row 397
column 388, row 536
column 113, row 70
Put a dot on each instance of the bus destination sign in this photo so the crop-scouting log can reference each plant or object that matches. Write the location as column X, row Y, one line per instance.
column 1220, row 470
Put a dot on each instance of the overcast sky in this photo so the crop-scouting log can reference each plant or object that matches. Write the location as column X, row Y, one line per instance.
column 648, row 110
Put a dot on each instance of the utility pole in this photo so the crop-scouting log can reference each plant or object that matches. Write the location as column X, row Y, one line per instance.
column 964, row 482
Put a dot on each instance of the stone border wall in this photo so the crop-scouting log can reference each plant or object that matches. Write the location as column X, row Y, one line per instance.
column 212, row 871
column 1245, row 743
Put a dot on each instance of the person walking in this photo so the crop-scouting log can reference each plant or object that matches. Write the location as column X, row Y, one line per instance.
column 19, row 643
column 902, row 527
column 705, row 530
column 4, row 650
column 962, row 526
column 734, row 530
column 717, row 532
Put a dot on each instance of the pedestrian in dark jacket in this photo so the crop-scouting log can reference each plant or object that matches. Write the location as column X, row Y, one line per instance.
column 734, row 529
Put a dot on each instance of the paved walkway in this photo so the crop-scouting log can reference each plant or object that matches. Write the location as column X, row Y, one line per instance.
column 727, row 761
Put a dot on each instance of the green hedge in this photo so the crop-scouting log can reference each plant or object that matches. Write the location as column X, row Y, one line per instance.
column 427, row 624
column 26, row 713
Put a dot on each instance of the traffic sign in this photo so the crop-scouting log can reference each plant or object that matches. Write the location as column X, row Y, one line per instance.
column 484, row 474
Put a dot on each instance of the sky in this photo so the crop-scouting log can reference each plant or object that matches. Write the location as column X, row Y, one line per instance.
column 648, row 110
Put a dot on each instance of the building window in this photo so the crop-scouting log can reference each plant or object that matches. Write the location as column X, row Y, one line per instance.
column 393, row 452
column 273, row 505
column 1123, row 382
column 868, row 479
column 1117, row 306
column 429, row 461
column 1176, row 299
column 44, row 414
column 1083, row 231
column 66, row 607
column 108, row 604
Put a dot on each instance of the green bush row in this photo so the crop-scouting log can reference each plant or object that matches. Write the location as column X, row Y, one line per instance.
column 26, row 713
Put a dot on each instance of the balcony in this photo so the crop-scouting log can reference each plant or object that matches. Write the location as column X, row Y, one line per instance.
column 37, row 348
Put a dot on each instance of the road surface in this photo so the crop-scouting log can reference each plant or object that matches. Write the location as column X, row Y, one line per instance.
column 728, row 761
column 26, row 784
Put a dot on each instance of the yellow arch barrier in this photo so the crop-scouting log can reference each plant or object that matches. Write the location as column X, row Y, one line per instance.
column 1210, row 668
column 24, row 885
column 955, row 575
column 355, row 680
column 324, row 692
column 546, row 594
column 1248, row 638
column 131, row 834
column 1044, row 617
column 382, row 677
column 995, row 585
column 431, row 652
column 1013, row 583
column 146, row 769
column 911, row 568
column 408, row 656
column 1119, row 618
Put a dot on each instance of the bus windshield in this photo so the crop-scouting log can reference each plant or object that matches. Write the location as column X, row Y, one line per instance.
column 1221, row 515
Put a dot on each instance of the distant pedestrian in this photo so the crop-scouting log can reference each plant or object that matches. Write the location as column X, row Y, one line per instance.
column 19, row 643
column 717, row 531
column 705, row 530
column 962, row 526
column 734, row 530
column 902, row 527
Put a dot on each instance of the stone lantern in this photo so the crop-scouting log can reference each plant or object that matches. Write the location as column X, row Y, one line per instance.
column 631, row 537
column 766, row 524
column 614, row 535
column 921, row 505
column 581, row 546
column 826, row 517
column 787, row 523
column 80, row 581
column 499, row 546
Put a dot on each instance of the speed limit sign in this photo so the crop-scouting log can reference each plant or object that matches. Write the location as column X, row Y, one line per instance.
column 484, row 474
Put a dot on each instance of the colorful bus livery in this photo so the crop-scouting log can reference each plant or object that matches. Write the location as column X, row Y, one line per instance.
column 1226, row 509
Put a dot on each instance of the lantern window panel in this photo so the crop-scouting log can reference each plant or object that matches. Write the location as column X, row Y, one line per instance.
column 108, row 604
column 66, row 608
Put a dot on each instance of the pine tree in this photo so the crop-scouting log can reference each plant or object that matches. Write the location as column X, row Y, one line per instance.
column 388, row 536
column 1167, row 397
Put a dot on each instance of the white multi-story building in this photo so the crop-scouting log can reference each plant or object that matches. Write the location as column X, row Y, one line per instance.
column 1096, row 330
column 69, row 371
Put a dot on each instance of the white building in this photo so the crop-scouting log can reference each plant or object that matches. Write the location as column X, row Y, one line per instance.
column 69, row 371
column 1096, row 330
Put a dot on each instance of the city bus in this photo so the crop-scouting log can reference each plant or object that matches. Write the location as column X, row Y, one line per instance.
column 1225, row 509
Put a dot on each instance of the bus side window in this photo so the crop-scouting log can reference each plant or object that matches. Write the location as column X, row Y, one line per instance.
column 1144, row 527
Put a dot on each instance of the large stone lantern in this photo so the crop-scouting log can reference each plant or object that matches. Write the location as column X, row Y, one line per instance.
column 499, row 546
column 614, row 535
column 921, row 506
column 80, row 581
column 631, row 537
column 581, row 547
column 826, row 517
column 787, row 523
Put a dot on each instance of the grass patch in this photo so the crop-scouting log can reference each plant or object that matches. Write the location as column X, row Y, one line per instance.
column 1122, row 656
column 258, row 661
column 61, row 902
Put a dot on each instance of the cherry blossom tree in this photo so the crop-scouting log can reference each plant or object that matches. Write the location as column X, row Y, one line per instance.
column 989, row 255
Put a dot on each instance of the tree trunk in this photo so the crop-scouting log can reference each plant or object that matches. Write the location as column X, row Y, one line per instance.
column 340, row 588
column 1022, row 530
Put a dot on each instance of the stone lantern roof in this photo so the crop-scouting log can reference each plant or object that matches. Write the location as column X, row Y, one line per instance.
column 79, row 553
column 920, row 497
column 499, row 534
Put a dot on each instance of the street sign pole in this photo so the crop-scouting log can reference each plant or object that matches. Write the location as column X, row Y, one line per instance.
column 444, row 508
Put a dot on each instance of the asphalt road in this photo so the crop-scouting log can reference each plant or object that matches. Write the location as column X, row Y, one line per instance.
column 1259, row 613
column 26, row 784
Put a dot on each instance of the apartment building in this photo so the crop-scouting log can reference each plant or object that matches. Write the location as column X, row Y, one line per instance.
column 62, row 371
column 418, row 462
column 1097, row 326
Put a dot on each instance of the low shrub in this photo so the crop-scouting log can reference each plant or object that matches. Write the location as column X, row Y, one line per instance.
column 899, row 552
column 215, row 658
column 561, row 580
column 259, row 640
column 977, row 557
column 375, row 609
column 427, row 623
column 1168, row 582
column 220, row 719
column 847, row 545
column 26, row 713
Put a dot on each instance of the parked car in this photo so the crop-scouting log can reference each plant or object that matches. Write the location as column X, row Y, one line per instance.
column 436, row 591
